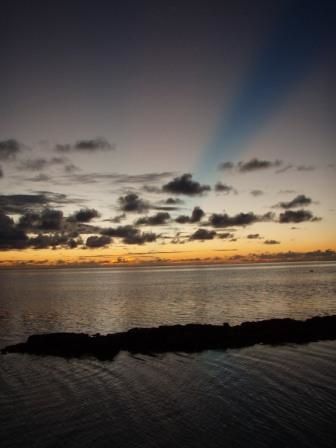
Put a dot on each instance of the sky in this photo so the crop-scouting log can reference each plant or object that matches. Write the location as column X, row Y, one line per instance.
column 149, row 132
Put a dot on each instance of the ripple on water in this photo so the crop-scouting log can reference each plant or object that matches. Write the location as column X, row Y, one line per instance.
column 258, row 396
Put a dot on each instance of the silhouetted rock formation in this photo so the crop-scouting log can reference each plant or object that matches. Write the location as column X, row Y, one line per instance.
column 180, row 338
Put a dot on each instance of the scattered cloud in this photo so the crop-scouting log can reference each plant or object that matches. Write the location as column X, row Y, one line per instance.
column 257, row 164
column 203, row 234
column 296, row 216
column 196, row 215
column 95, row 241
column 51, row 219
column 130, row 234
column 92, row 145
column 131, row 202
column 120, row 178
column 10, row 236
column 225, row 235
column 18, row 203
column 159, row 219
column 185, row 185
column 173, row 201
column 253, row 236
column 117, row 219
column 10, row 148
column 256, row 193
column 299, row 201
column 271, row 242
column 305, row 168
column 40, row 163
column 253, row 164
column 284, row 169
column 241, row 219
column 38, row 178
column 224, row 188
column 84, row 215
column 287, row 191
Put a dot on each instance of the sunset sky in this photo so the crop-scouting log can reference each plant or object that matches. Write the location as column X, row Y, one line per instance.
column 156, row 131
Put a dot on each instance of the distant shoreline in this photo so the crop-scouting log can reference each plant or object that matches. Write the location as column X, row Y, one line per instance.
column 166, row 265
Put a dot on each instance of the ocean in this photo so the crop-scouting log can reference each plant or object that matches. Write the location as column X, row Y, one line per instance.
column 259, row 396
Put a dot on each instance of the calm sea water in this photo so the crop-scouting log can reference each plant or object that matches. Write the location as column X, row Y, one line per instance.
column 259, row 396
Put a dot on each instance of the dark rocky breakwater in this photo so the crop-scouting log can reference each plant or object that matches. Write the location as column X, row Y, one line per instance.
column 179, row 338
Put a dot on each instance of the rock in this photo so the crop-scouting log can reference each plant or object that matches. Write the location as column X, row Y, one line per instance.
column 179, row 338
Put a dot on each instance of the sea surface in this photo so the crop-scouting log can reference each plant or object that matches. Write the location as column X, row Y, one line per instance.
column 259, row 396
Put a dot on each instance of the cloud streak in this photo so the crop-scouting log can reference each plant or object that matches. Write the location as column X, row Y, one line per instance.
column 87, row 146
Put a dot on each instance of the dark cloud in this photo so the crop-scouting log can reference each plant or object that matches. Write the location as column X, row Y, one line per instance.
column 10, row 236
column 223, row 188
column 257, row 164
column 166, row 208
column 254, row 164
column 203, row 234
column 120, row 231
column 182, row 219
column 225, row 235
column 51, row 219
column 44, row 241
column 140, row 238
column 93, row 145
column 40, row 163
column 10, row 148
column 170, row 204
column 253, row 236
column 185, row 185
column 84, row 215
column 291, row 216
column 271, row 242
column 196, row 215
column 56, row 198
column 256, row 193
column 158, row 219
column 299, row 201
column 18, row 203
column 98, row 241
column 241, row 219
column 131, row 202
column 33, row 164
column 130, row 234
